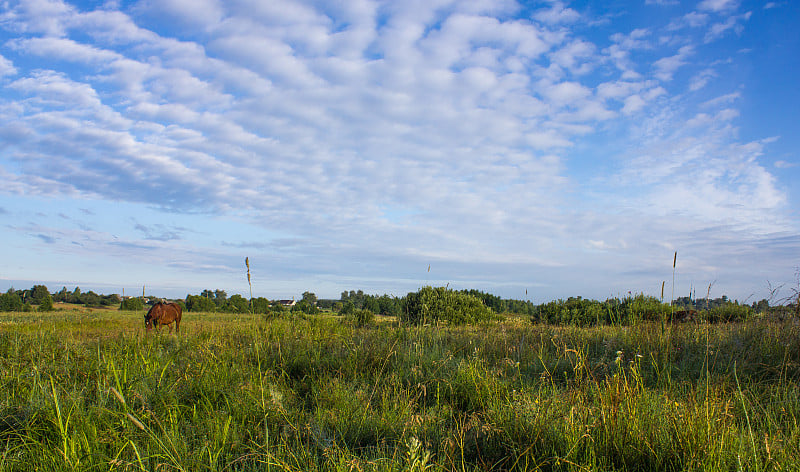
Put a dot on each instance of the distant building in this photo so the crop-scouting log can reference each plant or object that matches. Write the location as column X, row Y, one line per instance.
column 288, row 303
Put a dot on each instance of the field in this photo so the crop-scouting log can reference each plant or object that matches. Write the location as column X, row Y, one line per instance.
column 90, row 390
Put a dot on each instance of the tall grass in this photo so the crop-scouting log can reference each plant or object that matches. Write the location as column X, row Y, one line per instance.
column 239, row 393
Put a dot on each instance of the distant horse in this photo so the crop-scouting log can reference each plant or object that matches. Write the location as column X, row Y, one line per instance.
column 164, row 314
column 684, row 315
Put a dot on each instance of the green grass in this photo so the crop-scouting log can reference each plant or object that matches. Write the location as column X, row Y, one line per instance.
column 92, row 391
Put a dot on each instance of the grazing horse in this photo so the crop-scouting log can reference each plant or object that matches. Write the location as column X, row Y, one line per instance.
column 684, row 315
column 164, row 314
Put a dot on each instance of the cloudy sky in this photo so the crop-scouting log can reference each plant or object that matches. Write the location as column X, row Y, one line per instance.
column 547, row 148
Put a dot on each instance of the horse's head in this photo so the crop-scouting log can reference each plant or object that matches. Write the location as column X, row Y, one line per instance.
column 152, row 316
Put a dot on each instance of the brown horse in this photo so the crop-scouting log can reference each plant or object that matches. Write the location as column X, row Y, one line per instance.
column 164, row 314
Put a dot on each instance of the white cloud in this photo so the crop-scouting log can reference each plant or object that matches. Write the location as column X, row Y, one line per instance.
column 692, row 19
column 558, row 13
column 56, row 90
column 734, row 23
column 6, row 67
column 666, row 67
column 701, row 79
column 64, row 49
column 405, row 131
column 723, row 99
column 576, row 57
column 39, row 16
column 718, row 5
column 619, row 53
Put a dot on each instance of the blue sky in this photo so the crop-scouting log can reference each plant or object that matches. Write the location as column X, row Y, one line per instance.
column 551, row 148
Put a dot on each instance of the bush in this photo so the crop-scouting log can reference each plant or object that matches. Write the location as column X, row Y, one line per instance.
column 132, row 304
column 236, row 304
column 728, row 313
column 10, row 302
column 348, row 308
column 306, row 306
column 430, row 305
column 583, row 312
column 360, row 318
column 197, row 303
column 46, row 303
column 260, row 305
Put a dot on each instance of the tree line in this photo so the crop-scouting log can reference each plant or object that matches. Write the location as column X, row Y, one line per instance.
column 39, row 298
column 429, row 304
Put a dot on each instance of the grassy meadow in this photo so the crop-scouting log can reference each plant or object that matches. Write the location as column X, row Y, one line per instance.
column 90, row 390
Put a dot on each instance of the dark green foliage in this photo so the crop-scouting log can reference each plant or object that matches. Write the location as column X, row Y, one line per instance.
column 236, row 304
column 277, row 307
column 583, row 312
column 10, row 301
column 386, row 305
column 630, row 310
column 218, row 297
column 37, row 294
column 494, row 302
column 46, row 303
column 432, row 305
column 310, row 297
column 347, row 308
column 305, row 306
column 360, row 318
column 729, row 312
column 520, row 307
column 131, row 303
column 89, row 299
column 260, row 305
column 198, row 303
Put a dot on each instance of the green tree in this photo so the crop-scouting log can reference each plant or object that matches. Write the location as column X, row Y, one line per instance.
column 259, row 305
column 310, row 298
column 220, row 297
column 91, row 299
column 198, row 303
column 10, row 301
column 360, row 318
column 61, row 296
column 38, row 293
column 236, row 304
column 132, row 304
column 431, row 305
column 347, row 308
column 75, row 296
column 306, row 307
column 277, row 307
column 46, row 304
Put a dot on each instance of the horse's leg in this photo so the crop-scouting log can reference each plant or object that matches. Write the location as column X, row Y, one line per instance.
column 177, row 326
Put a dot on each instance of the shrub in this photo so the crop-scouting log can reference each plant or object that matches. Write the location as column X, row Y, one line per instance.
column 10, row 302
column 348, row 308
column 583, row 312
column 429, row 305
column 199, row 303
column 133, row 304
column 727, row 313
column 306, row 306
column 360, row 318
column 46, row 303
column 236, row 304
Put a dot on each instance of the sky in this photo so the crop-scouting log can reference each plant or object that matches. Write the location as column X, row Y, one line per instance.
column 533, row 150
